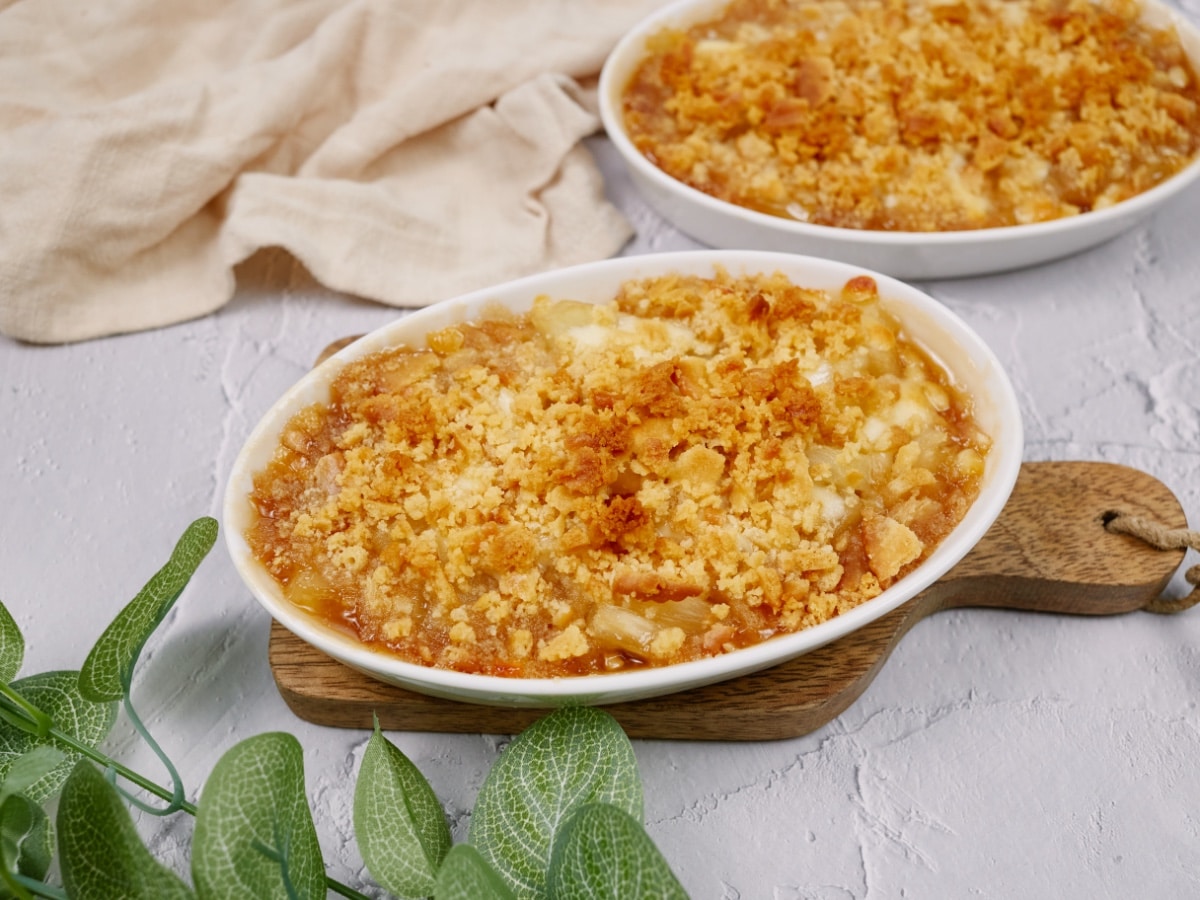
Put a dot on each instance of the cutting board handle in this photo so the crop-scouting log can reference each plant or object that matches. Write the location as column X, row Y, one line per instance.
column 1049, row 551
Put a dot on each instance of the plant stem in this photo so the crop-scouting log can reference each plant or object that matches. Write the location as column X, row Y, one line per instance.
column 128, row 774
column 338, row 888
column 177, row 798
column 39, row 888
column 26, row 713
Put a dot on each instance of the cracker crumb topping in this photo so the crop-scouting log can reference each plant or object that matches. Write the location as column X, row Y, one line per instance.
column 696, row 466
column 918, row 115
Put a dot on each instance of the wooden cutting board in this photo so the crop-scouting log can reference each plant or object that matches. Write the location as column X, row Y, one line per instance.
column 1048, row 552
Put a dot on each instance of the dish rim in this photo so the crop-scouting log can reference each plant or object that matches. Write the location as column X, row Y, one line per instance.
column 920, row 311
column 628, row 49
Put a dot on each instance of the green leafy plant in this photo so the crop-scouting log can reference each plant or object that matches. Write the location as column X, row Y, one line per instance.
column 558, row 816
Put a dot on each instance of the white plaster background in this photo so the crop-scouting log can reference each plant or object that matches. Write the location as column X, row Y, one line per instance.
column 998, row 754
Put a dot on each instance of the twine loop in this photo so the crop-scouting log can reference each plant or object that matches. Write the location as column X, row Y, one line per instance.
column 1162, row 538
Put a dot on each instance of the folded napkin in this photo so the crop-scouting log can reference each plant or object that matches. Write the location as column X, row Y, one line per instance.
column 402, row 150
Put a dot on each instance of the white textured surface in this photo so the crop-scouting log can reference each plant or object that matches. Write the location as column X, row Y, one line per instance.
column 998, row 754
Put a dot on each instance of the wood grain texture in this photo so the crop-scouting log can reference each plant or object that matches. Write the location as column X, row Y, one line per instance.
column 1048, row 552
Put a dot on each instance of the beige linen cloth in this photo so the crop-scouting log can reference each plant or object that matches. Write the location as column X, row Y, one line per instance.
column 402, row 150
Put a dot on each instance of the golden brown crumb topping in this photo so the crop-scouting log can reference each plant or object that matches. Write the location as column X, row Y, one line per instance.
column 696, row 466
column 918, row 115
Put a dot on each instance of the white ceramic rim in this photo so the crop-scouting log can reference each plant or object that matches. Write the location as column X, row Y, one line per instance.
column 686, row 12
column 920, row 310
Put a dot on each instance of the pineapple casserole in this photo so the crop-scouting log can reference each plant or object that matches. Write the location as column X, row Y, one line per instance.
column 918, row 115
column 695, row 466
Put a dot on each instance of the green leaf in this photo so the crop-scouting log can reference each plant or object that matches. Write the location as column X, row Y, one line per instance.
column 26, row 834
column 57, row 694
column 465, row 875
column 573, row 756
column 12, row 645
column 108, row 669
column 26, row 838
column 100, row 852
column 254, row 831
column 27, row 770
column 399, row 823
column 602, row 851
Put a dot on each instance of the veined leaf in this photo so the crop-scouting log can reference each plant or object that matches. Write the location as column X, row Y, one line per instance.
column 601, row 851
column 26, row 834
column 465, row 875
column 100, row 852
column 27, row 770
column 399, row 823
column 254, row 832
column 108, row 668
column 12, row 645
column 57, row 694
column 573, row 756
column 26, row 839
